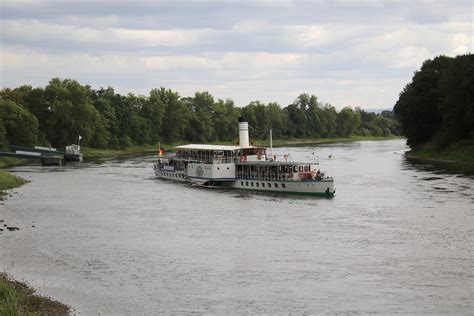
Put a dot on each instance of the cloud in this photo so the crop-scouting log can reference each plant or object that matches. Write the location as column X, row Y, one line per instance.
column 347, row 52
column 37, row 31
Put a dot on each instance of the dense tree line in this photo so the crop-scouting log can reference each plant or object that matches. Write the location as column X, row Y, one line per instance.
column 64, row 109
column 438, row 104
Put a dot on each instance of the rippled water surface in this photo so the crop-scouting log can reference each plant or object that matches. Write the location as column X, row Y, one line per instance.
column 109, row 238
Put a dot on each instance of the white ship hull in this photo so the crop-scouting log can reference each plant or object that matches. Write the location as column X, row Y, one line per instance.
column 171, row 175
column 324, row 187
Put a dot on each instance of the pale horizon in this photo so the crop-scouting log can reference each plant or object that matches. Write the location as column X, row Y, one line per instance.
column 348, row 53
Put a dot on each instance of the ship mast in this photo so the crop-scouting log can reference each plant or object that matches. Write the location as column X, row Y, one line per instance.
column 271, row 145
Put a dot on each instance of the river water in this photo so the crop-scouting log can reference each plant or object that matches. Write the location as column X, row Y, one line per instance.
column 109, row 238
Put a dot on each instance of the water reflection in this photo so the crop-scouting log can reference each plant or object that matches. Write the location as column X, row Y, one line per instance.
column 109, row 238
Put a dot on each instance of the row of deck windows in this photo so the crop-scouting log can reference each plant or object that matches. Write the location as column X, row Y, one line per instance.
column 173, row 175
column 262, row 184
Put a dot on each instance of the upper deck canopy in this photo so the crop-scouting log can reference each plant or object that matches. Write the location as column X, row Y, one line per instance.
column 208, row 147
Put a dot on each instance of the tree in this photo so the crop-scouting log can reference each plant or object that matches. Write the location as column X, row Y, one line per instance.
column 277, row 120
column 418, row 105
column 154, row 111
column 201, row 109
column 347, row 122
column 18, row 125
column 175, row 120
column 224, row 120
column 72, row 113
column 457, row 105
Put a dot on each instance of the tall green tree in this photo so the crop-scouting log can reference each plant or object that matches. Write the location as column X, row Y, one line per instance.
column 18, row 125
column 457, row 105
column 224, row 120
column 277, row 119
column 154, row 111
column 418, row 105
column 72, row 113
column 175, row 121
column 348, row 121
column 200, row 109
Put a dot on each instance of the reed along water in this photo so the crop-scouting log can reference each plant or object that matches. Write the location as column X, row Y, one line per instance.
column 110, row 238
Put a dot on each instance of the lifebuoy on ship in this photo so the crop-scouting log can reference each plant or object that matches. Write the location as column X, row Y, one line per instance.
column 243, row 158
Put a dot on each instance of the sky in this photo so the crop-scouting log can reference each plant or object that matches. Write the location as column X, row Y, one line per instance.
column 348, row 53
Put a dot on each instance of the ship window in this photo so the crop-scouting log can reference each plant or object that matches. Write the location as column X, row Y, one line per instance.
column 300, row 168
column 263, row 184
column 283, row 185
column 246, row 183
column 269, row 185
column 242, row 183
column 227, row 168
column 306, row 168
column 258, row 184
column 276, row 185
column 218, row 168
column 251, row 184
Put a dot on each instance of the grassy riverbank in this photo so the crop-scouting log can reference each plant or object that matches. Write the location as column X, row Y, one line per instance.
column 9, row 181
column 98, row 153
column 315, row 141
column 458, row 157
column 7, row 162
column 17, row 298
column 462, row 151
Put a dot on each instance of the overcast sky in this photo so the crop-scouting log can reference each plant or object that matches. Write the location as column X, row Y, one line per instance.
column 358, row 53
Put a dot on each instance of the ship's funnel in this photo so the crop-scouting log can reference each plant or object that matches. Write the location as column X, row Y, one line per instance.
column 243, row 133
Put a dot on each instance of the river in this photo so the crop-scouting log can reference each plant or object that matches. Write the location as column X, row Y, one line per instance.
column 106, row 237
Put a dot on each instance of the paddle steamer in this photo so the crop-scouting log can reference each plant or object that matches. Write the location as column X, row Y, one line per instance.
column 244, row 167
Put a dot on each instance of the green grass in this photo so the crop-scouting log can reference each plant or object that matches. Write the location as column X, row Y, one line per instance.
column 9, row 181
column 98, row 153
column 17, row 298
column 310, row 141
column 7, row 162
column 88, row 152
column 461, row 151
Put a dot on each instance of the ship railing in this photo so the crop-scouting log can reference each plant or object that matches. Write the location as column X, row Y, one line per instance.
column 286, row 178
column 212, row 160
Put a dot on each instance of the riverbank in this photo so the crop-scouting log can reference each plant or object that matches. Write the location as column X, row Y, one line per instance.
column 9, row 181
column 17, row 298
column 458, row 156
column 316, row 141
column 101, row 153
column 461, row 151
column 88, row 153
